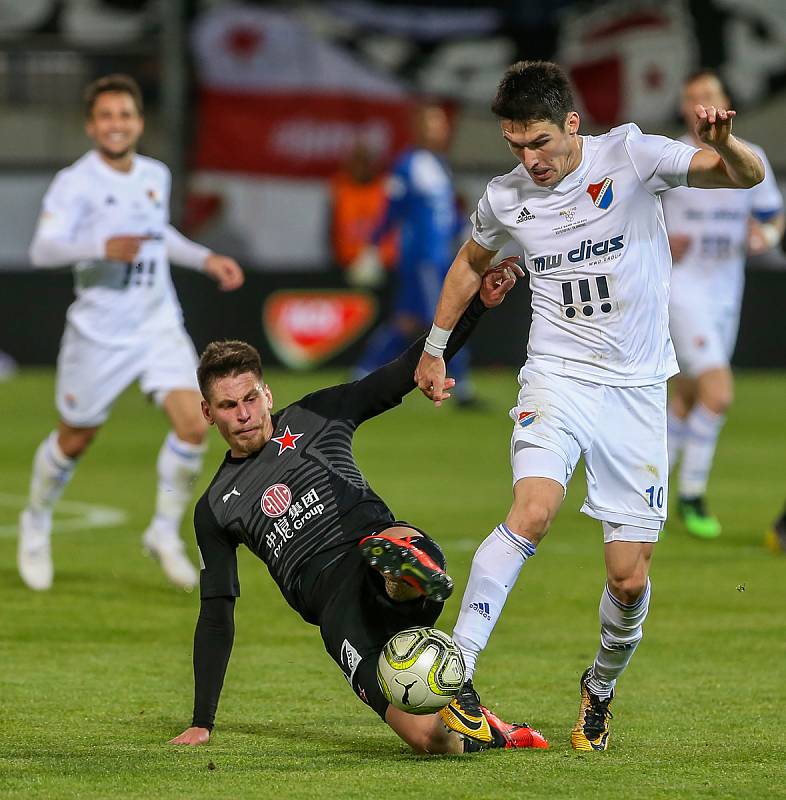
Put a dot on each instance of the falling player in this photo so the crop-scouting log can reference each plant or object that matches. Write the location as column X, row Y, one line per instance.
column 290, row 490
column 586, row 213
column 710, row 234
column 107, row 215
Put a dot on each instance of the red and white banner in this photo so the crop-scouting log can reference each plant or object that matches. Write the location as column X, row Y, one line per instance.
column 276, row 100
column 628, row 65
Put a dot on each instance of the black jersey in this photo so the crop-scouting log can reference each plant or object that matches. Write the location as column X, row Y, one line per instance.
column 301, row 501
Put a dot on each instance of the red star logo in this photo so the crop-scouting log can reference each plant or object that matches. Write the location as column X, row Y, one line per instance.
column 286, row 441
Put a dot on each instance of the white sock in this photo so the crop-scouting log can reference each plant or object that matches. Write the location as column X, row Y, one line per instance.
column 675, row 436
column 52, row 469
column 179, row 465
column 620, row 634
column 495, row 569
column 701, row 437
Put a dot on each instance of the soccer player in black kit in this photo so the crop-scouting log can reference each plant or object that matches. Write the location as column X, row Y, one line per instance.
column 290, row 490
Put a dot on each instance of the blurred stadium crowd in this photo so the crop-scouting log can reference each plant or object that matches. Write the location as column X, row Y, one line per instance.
column 280, row 120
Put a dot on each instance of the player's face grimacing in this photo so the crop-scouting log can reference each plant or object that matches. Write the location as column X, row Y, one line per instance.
column 115, row 125
column 239, row 406
column 546, row 151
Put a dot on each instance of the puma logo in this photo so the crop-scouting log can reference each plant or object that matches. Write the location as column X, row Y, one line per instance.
column 407, row 687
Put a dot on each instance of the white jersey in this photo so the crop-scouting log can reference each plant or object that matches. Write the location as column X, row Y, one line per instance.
column 597, row 253
column 87, row 204
column 717, row 223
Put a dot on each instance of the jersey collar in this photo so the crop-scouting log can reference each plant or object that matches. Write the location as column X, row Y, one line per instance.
column 104, row 168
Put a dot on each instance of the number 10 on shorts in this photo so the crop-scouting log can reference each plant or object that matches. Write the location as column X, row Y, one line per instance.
column 655, row 494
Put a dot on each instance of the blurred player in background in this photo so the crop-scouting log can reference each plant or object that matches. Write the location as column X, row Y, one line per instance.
column 710, row 234
column 587, row 215
column 423, row 207
column 776, row 536
column 107, row 215
column 359, row 204
column 290, row 490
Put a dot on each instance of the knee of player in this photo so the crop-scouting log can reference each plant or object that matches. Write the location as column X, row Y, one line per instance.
column 532, row 519
column 628, row 588
column 192, row 430
column 719, row 401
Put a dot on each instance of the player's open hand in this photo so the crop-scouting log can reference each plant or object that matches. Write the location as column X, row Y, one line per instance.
column 499, row 280
column 225, row 271
column 123, row 248
column 713, row 125
column 192, row 736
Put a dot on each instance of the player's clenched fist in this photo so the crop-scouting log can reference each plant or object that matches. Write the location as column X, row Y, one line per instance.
column 713, row 125
column 225, row 271
column 430, row 378
column 123, row 248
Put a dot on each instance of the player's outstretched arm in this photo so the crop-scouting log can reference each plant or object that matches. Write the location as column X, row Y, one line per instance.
column 463, row 280
column 730, row 163
column 225, row 271
column 213, row 639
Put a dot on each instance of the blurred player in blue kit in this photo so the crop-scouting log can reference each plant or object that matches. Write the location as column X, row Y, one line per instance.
column 107, row 216
column 423, row 207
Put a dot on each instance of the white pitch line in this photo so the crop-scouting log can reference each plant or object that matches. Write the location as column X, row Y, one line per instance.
column 81, row 516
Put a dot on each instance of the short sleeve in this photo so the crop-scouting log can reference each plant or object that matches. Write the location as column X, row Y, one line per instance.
column 217, row 554
column 661, row 163
column 487, row 230
column 766, row 196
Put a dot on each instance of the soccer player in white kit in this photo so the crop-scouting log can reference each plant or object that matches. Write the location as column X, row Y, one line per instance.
column 710, row 234
column 585, row 212
column 107, row 215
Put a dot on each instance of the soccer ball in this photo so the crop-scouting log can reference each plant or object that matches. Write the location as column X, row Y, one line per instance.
column 420, row 670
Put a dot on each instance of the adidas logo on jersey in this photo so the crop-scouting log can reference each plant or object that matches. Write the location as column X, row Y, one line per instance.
column 483, row 609
column 524, row 215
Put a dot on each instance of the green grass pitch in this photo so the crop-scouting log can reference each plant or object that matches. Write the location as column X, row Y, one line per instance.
column 95, row 675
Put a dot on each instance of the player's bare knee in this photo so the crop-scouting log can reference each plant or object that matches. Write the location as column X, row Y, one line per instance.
column 628, row 589
column 74, row 441
column 192, row 430
column 530, row 519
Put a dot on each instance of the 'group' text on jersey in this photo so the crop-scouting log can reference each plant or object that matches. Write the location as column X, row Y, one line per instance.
column 597, row 253
column 301, row 502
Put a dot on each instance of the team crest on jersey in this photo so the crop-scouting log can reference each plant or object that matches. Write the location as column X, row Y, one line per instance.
column 526, row 418
column 275, row 500
column 602, row 193
column 154, row 197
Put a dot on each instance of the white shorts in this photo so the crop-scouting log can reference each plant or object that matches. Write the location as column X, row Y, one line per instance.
column 703, row 333
column 620, row 430
column 91, row 376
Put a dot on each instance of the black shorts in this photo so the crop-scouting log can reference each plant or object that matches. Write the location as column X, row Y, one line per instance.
column 358, row 618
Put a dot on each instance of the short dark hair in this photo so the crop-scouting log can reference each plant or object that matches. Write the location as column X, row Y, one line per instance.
column 705, row 72
column 227, row 358
column 116, row 82
column 533, row 91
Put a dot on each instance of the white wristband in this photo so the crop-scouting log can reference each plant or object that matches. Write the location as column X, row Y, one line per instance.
column 770, row 234
column 437, row 341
